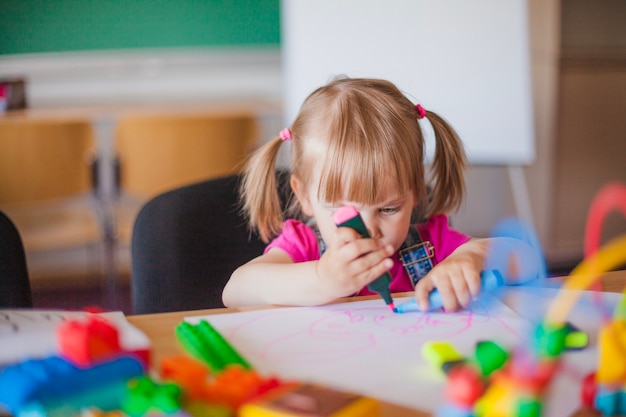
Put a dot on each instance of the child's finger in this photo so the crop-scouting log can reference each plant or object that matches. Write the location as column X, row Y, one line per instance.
column 447, row 291
column 462, row 292
column 375, row 271
column 363, row 254
column 373, row 259
column 422, row 290
column 344, row 235
column 473, row 283
column 448, row 297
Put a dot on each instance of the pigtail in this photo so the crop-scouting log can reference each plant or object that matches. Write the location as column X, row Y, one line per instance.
column 259, row 193
column 447, row 183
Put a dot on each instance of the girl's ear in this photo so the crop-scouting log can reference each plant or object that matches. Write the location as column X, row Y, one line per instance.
column 302, row 195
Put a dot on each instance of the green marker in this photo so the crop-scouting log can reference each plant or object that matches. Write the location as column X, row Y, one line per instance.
column 205, row 343
column 348, row 216
column 195, row 343
column 227, row 353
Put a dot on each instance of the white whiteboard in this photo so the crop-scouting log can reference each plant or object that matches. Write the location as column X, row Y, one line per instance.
column 466, row 60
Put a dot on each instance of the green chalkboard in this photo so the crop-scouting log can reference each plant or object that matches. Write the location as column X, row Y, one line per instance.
column 76, row 25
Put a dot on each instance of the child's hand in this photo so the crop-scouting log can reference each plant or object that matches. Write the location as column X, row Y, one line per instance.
column 351, row 262
column 457, row 278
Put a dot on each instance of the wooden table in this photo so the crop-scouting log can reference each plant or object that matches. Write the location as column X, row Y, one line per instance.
column 160, row 329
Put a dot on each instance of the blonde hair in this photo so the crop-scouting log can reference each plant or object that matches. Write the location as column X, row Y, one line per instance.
column 356, row 135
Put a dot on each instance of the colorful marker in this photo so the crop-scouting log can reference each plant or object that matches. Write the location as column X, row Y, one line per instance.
column 205, row 343
column 348, row 216
column 576, row 339
column 489, row 281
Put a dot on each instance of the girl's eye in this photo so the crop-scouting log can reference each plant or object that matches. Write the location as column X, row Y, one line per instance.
column 389, row 210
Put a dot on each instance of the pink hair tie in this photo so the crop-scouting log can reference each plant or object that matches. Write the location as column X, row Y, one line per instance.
column 285, row 134
column 421, row 112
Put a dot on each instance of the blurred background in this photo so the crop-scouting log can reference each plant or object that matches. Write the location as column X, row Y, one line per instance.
column 105, row 71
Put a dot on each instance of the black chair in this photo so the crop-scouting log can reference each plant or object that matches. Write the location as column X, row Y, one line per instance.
column 14, row 280
column 187, row 242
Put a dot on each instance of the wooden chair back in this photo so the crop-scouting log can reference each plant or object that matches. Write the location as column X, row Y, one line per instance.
column 46, row 188
column 42, row 161
column 158, row 153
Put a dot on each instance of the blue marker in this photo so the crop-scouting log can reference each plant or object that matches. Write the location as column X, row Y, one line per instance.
column 489, row 281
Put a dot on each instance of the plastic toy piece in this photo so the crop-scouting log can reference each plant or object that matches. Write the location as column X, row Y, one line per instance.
column 229, row 388
column 517, row 385
column 490, row 357
column 465, row 386
column 605, row 390
column 518, row 389
column 186, row 372
column 531, row 376
column 550, row 340
column 489, row 281
column 612, row 364
column 235, row 386
column 103, row 397
column 37, row 381
column 528, row 407
column 498, row 382
column 304, row 400
column 440, row 353
column 196, row 344
column 588, row 390
column 610, row 256
column 85, row 342
column 575, row 339
column 609, row 401
column 450, row 365
column 227, row 352
column 348, row 216
column 499, row 399
column 206, row 344
column 507, row 398
column 145, row 395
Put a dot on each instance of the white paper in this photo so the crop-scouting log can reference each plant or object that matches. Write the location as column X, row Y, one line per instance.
column 364, row 348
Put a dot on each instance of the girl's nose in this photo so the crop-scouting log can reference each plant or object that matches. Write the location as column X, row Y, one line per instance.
column 372, row 226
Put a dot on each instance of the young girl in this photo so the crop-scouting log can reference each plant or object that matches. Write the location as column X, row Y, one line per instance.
column 359, row 142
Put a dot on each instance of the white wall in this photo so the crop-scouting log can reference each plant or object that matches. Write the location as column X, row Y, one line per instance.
column 146, row 76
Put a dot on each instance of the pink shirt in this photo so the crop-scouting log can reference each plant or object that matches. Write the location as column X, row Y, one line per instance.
column 300, row 242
